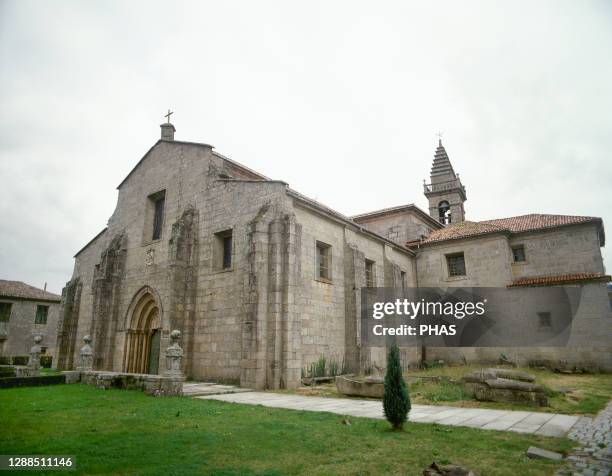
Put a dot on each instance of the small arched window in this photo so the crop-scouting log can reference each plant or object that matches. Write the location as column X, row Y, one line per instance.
column 444, row 212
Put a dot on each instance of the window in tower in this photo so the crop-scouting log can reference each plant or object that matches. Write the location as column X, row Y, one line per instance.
column 444, row 212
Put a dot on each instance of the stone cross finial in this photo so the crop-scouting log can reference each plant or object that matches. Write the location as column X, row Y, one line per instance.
column 86, row 355
column 174, row 356
column 34, row 361
column 168, row 115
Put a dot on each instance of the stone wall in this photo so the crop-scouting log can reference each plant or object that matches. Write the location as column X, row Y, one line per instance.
column 571, row 249
column 21, row 327
column 155, row 385
column 489, row 263
column 400, row 227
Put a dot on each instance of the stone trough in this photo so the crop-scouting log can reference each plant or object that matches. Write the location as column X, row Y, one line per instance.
column 506, row 386
column 372, row 387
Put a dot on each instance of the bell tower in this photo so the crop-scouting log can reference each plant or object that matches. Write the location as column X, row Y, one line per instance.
column 445, row 192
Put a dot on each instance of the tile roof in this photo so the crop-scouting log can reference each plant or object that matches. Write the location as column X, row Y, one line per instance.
column 536, row 221
column 560, row 279
column 517, row 224
column 462, row 230
column 20, row 290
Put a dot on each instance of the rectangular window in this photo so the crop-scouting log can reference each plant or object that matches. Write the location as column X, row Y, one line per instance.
column 227, row 252
column 545, row 320
column 158, row 217
column 323, row 261
column 222, row 252
column 369, row 272
column 456, row 264
column 403, row 279
column 518, row 253
column 5, row 311
column 41, row 314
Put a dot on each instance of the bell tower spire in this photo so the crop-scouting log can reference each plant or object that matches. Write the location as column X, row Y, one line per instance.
column 445, row 192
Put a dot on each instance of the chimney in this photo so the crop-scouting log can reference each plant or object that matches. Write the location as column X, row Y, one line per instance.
column 167, row 131
column 45, row 285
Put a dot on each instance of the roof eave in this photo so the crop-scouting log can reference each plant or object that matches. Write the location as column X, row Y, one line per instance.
column 90, row 242
column 34, row 299
column 459, row 238
column 341, row 219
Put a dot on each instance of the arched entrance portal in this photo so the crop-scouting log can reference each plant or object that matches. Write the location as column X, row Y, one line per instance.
column 143, row 335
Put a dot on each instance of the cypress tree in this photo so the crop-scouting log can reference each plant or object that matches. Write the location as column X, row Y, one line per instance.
column 396, row 402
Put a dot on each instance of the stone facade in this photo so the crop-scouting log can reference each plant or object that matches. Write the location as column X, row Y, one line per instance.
column 258, row 322
column 232, row 263
column 20, row 303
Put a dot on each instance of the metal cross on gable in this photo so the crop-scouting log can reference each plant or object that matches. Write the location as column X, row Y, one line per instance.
column 168, row 115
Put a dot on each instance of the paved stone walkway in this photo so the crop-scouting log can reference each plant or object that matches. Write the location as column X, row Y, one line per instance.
column 194, row 389
column 594, row 455
column 547, row 424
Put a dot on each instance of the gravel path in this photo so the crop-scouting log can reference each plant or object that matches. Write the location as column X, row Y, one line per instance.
column 593, row 457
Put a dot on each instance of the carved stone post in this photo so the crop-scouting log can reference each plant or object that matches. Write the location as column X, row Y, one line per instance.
column 86, row 356
column 34, row 361
column 174, row 356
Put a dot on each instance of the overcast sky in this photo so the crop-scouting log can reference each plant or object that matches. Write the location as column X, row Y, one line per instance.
column 340, row 99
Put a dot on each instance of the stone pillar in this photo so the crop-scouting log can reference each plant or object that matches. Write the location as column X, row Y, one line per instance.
column 254, row 330
column 34, row 361
column 354, row 280
column 86, row 356
column 174, row 356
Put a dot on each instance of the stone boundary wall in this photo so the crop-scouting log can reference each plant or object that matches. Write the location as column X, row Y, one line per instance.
column 156, row 385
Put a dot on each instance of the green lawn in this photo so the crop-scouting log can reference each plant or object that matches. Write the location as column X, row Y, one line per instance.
column 127, row 432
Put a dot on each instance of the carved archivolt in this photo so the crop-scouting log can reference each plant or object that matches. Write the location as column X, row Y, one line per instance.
column 144, row 320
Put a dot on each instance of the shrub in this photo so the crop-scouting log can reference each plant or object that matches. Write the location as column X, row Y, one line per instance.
column 20, row 360
column 32, row 381
column 336, row 368
column 5, row 360
column 317, row 369
column 46, row 361
column 433, row 364
column 7, row 372
column 396, row 402
column 323, row 368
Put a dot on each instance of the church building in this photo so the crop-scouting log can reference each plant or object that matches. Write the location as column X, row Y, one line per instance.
column 263, row 281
